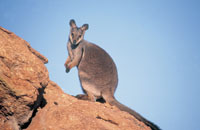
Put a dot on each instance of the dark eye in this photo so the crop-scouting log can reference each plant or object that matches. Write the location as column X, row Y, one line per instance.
column 79, row 36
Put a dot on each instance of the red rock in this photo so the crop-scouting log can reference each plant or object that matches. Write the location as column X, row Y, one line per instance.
column 29, row 100
column 65, row 112
column 22, row 75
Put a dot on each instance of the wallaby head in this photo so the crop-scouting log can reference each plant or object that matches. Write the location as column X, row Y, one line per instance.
column 76, row 33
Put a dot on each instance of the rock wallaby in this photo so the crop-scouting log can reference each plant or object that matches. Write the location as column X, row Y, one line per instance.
column 96, row 69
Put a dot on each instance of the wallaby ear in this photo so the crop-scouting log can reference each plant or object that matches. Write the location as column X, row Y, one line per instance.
column 72, row 23
column 85, row 27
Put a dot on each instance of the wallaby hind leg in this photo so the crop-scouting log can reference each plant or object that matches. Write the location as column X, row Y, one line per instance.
column 88, row 96
column 108, row 98
column 91, row 96
column 82, row 97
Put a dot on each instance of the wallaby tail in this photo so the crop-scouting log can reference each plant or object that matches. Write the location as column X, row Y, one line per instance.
column 135, row 114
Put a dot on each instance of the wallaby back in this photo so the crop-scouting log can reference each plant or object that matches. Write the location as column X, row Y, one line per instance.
column 97, row 71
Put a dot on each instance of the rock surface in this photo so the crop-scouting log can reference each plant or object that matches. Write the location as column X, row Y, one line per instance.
column 23, row 77
column 29, row 100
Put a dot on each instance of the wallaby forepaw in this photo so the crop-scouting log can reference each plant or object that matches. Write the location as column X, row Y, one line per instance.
column 67, row 70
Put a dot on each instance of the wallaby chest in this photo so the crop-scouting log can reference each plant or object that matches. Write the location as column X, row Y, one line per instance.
column 74, row 50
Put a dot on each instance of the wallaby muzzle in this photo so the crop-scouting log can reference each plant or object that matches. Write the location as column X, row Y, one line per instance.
column 74, row 42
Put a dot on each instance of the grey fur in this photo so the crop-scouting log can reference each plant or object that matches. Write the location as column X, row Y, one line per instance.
column 97, row 71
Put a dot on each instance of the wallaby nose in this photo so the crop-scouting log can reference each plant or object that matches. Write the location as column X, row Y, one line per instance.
column 74, row 42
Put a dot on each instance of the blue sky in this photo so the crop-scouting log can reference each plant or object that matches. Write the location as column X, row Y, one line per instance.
column 154, row 43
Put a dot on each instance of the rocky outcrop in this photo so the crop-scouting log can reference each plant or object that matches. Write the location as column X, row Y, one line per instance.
column 23, row 77
column 29, row 100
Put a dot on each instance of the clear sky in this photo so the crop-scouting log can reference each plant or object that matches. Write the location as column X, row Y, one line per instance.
column 154, row 43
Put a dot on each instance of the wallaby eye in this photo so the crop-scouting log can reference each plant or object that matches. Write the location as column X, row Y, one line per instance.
column 79, row 36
